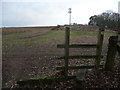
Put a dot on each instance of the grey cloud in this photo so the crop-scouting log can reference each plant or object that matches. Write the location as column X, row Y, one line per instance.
column 15, row 14
column 51, row 12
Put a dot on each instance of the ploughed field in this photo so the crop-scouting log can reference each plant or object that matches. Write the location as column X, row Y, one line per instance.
column 32, row 52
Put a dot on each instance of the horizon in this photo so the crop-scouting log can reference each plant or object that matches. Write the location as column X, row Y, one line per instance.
column 26, row 13
column 37, row 26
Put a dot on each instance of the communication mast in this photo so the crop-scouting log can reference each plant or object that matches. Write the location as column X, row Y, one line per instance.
column 119, row 7
column 69, row 15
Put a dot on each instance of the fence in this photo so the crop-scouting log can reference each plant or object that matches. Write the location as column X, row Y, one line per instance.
column 67, row 45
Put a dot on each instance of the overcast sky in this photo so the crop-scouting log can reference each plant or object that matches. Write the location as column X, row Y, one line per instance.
column 52, row 12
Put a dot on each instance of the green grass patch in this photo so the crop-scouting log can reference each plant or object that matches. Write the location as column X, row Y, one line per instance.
column 109, row 34
column 82, row 33
column 56, row 33
column 46, row 38
column 42, row 77
column 9, row 32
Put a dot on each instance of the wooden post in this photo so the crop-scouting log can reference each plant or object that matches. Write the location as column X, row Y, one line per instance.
column 112, row 49
column 118, row 36
column 67, row 39
column 99, row 48
column 118, row 44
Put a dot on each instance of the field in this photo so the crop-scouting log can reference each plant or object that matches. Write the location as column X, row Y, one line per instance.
column 31, row 52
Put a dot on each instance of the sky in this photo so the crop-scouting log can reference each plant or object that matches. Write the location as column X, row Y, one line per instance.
column 52, row 12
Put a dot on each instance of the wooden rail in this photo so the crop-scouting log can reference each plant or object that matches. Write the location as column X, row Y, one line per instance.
column 78, row 46
column 80, row 57
column 67, row 39
column 77, row 67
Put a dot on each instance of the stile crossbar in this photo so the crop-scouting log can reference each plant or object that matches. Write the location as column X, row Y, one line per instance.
column 78, row 46
column 67, row 45
column 81, row 57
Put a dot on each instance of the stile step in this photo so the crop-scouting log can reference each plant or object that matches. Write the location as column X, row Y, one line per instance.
column 43, row 81
column 77, row 67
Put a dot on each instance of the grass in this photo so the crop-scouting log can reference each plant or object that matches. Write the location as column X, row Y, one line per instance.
column 83, row 33
column 10, row 32
column 51, row 37
column 11, row 41
column 42, row 77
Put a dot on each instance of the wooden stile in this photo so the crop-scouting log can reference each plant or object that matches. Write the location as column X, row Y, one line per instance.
column 66, row 47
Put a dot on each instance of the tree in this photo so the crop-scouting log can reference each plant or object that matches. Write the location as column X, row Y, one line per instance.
column 109, row 20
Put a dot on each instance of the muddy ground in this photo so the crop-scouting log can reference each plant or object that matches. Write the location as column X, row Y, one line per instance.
column 20, row 64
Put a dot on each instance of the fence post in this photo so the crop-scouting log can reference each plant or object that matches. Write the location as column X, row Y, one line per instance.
column 67, row 39
column 112, row 49
column 118, row 45
column 99, row 48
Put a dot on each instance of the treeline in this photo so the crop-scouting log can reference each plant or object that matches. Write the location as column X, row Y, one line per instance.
column 108, row 20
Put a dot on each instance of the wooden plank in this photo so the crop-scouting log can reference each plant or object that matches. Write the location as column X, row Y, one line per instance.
column 67, row 40
column 78, row 46
column 112, row 50
column 118, row 36
column 99, row 48
column 75, row 67
column 118, row 48
column 81, row 57
column 43, row 81
column 118, row 44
